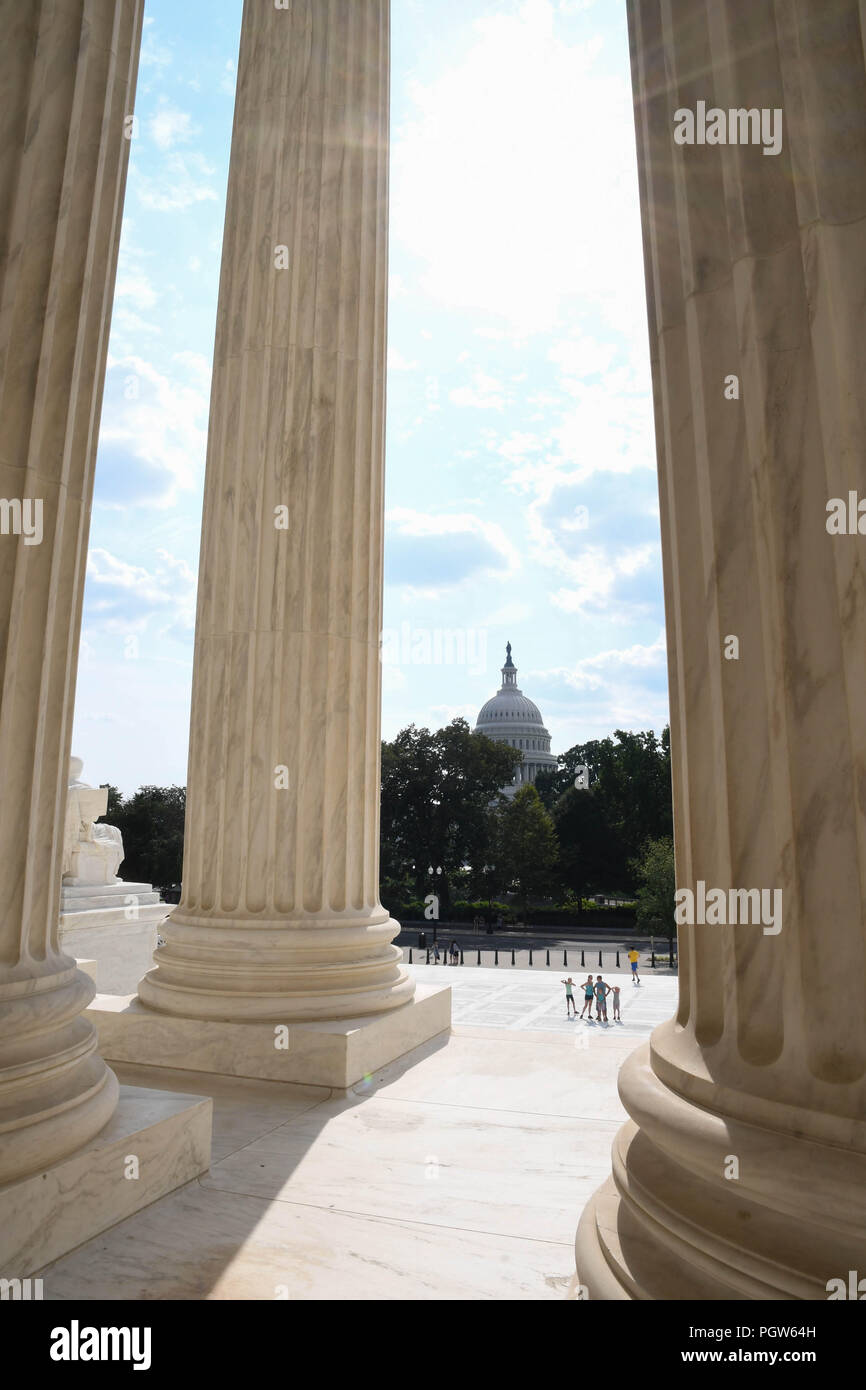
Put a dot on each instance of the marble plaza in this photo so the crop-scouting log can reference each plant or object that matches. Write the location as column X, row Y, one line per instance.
column 421, row 1183
column 522, row 1001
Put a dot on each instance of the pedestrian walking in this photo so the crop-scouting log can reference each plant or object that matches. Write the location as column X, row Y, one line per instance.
column 588, row 996
column 634, row 958
column 569, row 997
column 455, row 953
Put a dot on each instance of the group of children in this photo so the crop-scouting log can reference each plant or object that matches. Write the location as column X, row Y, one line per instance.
column 596, row 992
column 592, row 993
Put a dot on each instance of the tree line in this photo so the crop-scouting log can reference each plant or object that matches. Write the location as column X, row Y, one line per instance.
column 443, row 809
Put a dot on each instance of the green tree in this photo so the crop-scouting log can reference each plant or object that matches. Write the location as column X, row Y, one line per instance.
column 602, row 830
column 437, row 790
column 590, row 852
column 527, row 848
column 115, row 802
column 656, row 875
column 151, row 823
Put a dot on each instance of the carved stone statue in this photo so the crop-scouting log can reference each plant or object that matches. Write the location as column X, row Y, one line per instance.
column 91, row 853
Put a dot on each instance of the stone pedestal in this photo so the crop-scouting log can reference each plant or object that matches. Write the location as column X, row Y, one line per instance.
column 280, row 918
column 154, row 1142
column 336, row 1053
column 117, row 924
column 743, row 1173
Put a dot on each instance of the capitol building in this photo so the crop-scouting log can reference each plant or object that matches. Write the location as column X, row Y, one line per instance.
column 511, row 717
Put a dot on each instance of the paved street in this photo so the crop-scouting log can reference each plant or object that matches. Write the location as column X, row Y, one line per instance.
column 566, row 960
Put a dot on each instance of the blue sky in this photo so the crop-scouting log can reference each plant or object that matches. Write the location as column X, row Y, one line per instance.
column 521, row 496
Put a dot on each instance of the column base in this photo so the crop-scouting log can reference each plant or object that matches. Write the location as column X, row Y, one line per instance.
column 704, row 1206
column 49, row 1213
column 311, row 969
column 335, row 1053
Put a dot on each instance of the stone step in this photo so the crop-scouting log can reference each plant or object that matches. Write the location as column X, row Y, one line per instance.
column 114, row 915
column 87, row 901
column 84, row 890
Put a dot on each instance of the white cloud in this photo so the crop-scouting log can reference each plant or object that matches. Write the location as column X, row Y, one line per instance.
column 182, row 185
column 170, row 126
column 594, row 672
column 580, row 357
column 137, row 288
column 228, row 80
column 197, row 365
column 158, row 421
column 483, row 393
column 518, row 444
column 154, row 54
column 123, row 320
column 509, row 615
column 415, row 523
column 398, row 363
column 593, row 574
column 546, row 185
column 122, row 597
column 444, row 714
column 393, row 679
column 427, row 553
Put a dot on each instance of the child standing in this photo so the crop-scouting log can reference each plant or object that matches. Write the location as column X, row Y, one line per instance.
column 601, row 992
column 616, row 1013
column 569, row 997
column 588, row 996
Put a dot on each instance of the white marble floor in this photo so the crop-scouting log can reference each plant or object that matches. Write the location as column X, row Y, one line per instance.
column 458, row 1172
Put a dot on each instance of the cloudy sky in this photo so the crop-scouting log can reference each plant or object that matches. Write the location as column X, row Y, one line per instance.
column 521, row 499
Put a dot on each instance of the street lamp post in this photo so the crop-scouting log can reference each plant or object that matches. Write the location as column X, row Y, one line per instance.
column 432, row 872
column 487, row 871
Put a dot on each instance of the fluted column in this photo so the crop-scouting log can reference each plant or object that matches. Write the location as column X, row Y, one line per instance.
column 280, row 915
column 742, row 1173
column 67, row 74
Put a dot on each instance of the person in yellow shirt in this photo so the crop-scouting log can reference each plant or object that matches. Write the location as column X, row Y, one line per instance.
column 634, row 958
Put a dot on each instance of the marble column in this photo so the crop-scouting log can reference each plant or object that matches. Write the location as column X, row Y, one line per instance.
column 742, row 1173
column 280, row 915
column 67, row 73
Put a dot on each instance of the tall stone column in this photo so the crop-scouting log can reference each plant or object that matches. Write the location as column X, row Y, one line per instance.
column 67, row 73
column 742, row 1173
column 280, row 915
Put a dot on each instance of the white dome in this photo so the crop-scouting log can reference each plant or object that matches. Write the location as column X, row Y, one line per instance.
column 511, row 717
column 510, row 704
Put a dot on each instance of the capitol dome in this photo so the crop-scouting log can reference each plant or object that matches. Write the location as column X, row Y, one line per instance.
column 511, row 717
